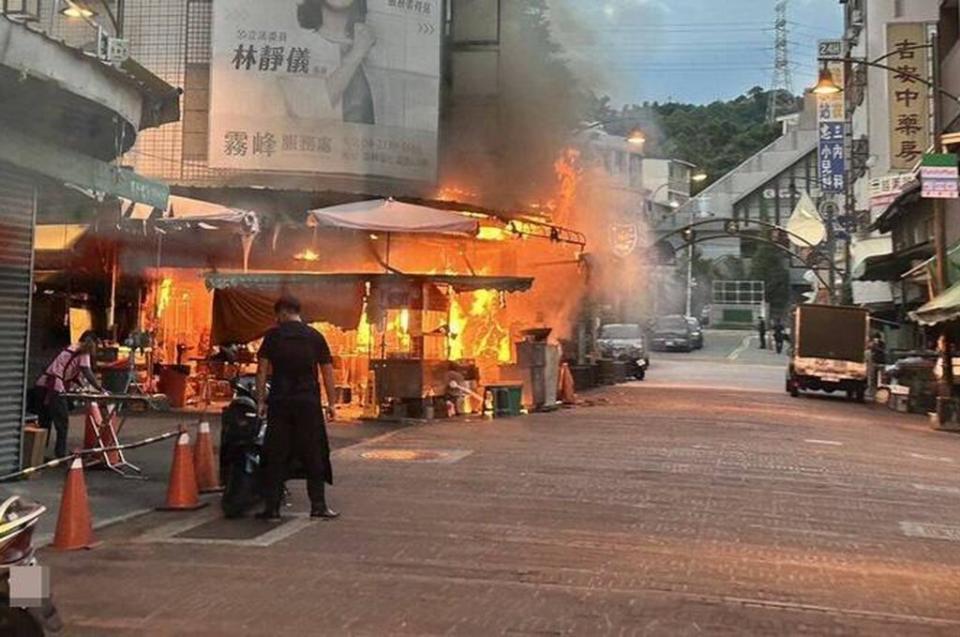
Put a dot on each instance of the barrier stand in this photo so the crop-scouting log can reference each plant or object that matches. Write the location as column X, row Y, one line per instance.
column 102, row 430
column 98, row 433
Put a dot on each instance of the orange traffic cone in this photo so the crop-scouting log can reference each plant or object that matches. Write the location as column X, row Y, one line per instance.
column 74, row 523
column 182, row 493
column 204, row 465
column 567, row 393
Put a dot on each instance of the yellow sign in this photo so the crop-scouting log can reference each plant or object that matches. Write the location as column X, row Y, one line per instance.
column 910, row 135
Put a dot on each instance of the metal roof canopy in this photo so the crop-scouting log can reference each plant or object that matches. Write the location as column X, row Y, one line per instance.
column 274, row 281
column 942, row 308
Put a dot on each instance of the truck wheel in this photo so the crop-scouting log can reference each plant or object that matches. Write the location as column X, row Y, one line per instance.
column 793, row 389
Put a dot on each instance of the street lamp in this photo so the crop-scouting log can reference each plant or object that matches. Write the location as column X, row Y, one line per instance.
column 636, row 137
column 697, row 176
column 73, row 9
column 826, row 84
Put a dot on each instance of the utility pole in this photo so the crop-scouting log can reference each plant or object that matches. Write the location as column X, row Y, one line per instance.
column 781, row 88
column 689, row 305
column 940, row 220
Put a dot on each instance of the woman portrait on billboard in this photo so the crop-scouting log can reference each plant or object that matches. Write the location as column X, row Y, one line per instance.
column 345, row 41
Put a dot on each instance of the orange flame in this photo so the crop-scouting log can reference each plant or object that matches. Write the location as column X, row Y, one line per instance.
column 569, row 174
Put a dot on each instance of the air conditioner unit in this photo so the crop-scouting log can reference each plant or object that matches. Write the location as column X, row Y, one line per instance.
column 112, row 50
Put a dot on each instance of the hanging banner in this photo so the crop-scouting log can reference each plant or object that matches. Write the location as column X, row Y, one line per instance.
column 832, row 159
column 350, row 87
column 909, row 97
column 831, row 120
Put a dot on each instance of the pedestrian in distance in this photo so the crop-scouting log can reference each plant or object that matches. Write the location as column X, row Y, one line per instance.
column 762, row 331
column 291, row 355
column 877, row 359
column 779, row 335
column 67, row 371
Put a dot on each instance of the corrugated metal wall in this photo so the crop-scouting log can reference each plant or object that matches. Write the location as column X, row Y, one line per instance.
column 17, row 217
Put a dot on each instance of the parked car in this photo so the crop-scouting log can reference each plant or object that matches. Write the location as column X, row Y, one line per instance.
column 672, row 333
column 705, row 316
column 696, row 332
column 625, row 342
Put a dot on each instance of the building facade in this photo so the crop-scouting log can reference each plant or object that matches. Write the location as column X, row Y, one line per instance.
column 896, row 237
column 66, row 116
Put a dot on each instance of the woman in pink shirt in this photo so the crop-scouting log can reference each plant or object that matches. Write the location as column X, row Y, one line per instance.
column 65, row 372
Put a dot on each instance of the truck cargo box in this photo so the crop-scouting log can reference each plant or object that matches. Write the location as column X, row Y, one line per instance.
column 832, row 332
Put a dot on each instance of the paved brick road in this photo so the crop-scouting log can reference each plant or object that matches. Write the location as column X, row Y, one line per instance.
column 656, row 511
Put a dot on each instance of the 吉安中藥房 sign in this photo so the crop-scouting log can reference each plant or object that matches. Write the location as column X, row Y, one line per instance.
column 939, row 177
column 295, row 87
column 909, row 95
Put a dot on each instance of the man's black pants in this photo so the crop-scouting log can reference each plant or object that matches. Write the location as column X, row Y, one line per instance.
column 296, row 429
column 54, row 410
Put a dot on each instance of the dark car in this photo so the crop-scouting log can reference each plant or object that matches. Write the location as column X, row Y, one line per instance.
column 696, row 332
column 672, row 333
column 625, row 342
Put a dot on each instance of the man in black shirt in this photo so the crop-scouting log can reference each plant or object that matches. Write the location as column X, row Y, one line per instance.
column 290, row 356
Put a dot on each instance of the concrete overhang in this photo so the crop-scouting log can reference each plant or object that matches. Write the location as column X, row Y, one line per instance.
column 67, row 96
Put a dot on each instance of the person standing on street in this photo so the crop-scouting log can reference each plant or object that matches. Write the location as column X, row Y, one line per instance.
column 779, row 335
column 290, row 356
column 762, row 331
column 878, row 360
column 66, row 372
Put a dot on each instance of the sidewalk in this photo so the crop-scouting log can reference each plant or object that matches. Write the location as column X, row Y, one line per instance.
column 114, row 498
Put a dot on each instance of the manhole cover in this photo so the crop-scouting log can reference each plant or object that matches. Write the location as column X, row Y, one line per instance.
column 403, row 455
column 429, row 456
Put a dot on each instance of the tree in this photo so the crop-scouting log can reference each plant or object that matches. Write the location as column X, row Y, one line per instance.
column 716, row 137
column 768, row 266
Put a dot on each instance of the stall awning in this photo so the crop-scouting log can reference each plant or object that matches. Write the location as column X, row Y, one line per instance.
column 942, row 308
column 908, row 197
column 891, row 267
column 184, row 213
column 243, row 302
column 278, row 281
column 389, row 215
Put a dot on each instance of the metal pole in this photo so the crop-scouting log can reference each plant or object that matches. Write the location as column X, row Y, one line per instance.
column 940, row 221
column 689, row 308
column 850, row 203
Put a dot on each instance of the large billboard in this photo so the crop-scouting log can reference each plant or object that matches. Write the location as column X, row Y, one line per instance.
column 326, row 86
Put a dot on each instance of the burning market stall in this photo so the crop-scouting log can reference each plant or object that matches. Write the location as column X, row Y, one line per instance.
column 397, row 338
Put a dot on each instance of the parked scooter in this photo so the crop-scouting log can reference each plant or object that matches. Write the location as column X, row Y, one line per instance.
column 18, row 518
column 242, row 435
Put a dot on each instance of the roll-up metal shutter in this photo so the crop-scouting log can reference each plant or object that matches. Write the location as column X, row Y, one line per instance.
column 17, row 219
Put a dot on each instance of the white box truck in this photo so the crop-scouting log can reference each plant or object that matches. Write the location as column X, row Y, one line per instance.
column 829, row 350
